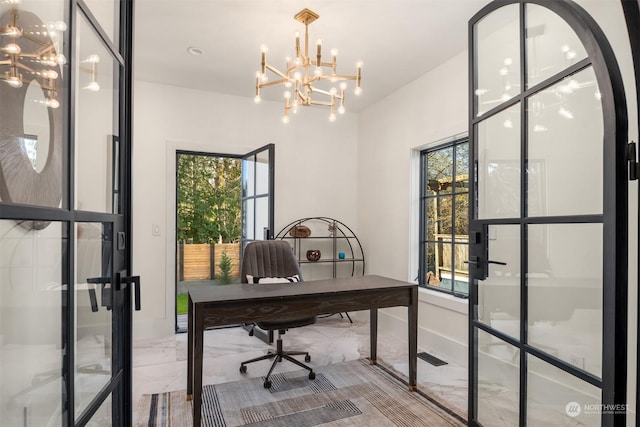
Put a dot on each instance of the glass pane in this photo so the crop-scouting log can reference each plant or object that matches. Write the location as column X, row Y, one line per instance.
column 103, row 416
column 96, row 121
column 461, row 274
column 32, row 105
column 552, row 45
column 498, row 381
column 31, row 348
column 441, row 273
column 557, row 398
column 462, row 166
column 499, row 293
column 445, row 216
column 430, row 265
column 565, row 292
column 248, row 223
column 262, row 218
column 248, row 173
column 564, row 120
column 440, row 170
column 93, row 311
column 462, row 215
column 498, row 58
column 499, row 165
column 432, row 217
column 262, row 172
column 107, row 12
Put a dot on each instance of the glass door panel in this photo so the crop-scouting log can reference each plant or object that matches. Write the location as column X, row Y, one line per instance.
column 97, row 91
column 565, row 293
column 498, row 165
column 498, row 381
column 565, row 120
column 32, row 350
column 497, row 58
column 257, row 195
column 107, row 12
column 499, row 293
column 552, row 45
column 94, row 301
column 558, row 398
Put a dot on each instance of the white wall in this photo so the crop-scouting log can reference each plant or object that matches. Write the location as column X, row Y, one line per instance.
column 315, row 173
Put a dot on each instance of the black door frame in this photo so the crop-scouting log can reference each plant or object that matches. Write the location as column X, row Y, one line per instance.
column 615, row 209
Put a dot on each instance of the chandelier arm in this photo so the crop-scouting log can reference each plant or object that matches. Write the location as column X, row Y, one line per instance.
column 276, row 71
column 273, row 83
column 323, row 103
column 5, row 62
column 338, row 77
column 37, row 41
column 25, row 67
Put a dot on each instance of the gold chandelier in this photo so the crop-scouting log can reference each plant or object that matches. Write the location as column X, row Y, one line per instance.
column 31, row 51
column 302, row 79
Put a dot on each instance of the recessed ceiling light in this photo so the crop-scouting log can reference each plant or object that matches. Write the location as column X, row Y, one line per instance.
column 195, row 50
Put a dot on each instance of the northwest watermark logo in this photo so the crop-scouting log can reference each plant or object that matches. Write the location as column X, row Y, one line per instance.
column 573, row 409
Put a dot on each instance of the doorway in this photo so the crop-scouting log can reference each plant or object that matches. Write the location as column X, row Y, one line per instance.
column 548, row 229
column 223, row 202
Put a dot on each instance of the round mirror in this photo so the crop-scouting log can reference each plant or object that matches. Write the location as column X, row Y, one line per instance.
column 35, row 141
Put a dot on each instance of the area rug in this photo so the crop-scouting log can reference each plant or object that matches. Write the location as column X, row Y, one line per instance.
column 351, row 393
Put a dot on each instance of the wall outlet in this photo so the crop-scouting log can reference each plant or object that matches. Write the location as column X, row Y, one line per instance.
column 155, row 229
column 577, row 361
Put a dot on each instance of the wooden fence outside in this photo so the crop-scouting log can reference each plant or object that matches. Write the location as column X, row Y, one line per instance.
column 200, row 261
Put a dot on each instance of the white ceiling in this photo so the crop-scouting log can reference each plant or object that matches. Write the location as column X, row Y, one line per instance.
column 397, row 40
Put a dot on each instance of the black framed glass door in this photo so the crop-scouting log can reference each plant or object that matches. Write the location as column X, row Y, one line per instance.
column 65, row 346
column 548, row 248
column 257, row 195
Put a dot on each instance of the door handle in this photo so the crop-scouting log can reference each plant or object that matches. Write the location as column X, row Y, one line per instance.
column 133, row 280
column 106, row 299
column 468, row 261
column 497, row 262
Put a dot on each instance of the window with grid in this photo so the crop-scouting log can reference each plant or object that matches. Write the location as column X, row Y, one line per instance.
column 444, row 218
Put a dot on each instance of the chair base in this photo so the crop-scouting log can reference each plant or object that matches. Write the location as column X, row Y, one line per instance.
column 278, row 356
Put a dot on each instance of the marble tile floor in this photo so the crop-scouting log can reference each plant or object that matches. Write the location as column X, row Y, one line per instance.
column 160, row 365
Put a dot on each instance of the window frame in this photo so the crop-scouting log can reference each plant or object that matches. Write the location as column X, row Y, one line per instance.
column 424, row 197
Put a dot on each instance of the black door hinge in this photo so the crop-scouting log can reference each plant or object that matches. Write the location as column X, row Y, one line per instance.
column 634, row 166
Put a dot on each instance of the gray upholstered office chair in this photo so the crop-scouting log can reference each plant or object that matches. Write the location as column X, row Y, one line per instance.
column 261, row 263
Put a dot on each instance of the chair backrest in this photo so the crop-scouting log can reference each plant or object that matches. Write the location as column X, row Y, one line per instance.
column 269, row 258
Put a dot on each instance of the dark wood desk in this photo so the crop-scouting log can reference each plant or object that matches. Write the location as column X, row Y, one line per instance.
column 242, row 303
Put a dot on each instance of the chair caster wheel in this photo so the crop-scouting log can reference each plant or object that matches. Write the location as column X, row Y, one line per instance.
column 251, row 333
column 312, row 375
column 243, row 369
column 267, row 384
column 307, row 358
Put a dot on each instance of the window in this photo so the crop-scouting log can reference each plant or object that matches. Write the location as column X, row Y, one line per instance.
column 444, row 217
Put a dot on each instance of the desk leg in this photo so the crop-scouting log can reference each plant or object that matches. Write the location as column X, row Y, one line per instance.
column 413, row 339
column 190, row 331
column 373, row 334
column 198, row 344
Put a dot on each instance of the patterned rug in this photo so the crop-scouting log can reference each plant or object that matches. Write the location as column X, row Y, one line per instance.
column 347, row 394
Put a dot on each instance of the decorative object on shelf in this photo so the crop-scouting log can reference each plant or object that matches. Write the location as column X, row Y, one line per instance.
column 300, row 231
column 305, row 82
column 313, row 255
column 342, row 252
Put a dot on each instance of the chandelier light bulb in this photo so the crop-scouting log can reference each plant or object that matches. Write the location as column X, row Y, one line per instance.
column 358, row 91
column 332, row 117
column 93, row 86
column 297, row 76
column 52, row 103
column 334, row 52
column 341, row 109
column 508, row 61
column 49, row 74
column 257, row 99
column 343, row 85
column 12, row 32
column 60, row 25
column 264, row 48
column 15, row 82
column 287, row 94
column 288, row 84
column 61, row 59
column 93, row 59
column 333, row 91
column 264, row 78
column 504, row 71
column 317, row 72
column 285, row 119
column 12, row 48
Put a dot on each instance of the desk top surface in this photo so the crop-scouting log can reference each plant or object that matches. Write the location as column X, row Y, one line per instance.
column 244, row 291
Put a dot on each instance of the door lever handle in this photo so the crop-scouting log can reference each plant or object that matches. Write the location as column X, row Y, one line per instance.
column 497, row 262
column 472, row 262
